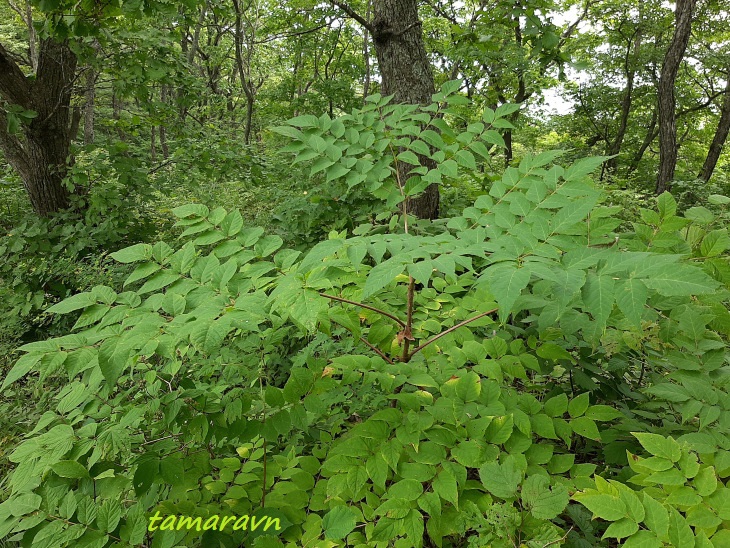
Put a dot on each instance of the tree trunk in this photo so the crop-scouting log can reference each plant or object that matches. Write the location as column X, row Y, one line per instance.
column 651, row 134
column 41, row 156
column 244, row 70
column 665, row 94
column 90, row 96
column 406, row 74
column 153, row 145
column 163, row 128
column 614, row 146
column 32, row 36
column 718, row 141
column 366, row 56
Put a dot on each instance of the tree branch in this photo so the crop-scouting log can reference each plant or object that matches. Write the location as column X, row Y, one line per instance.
column 13, row 148
column 361, row 305
column 356, row 16
column 290, row 35
column 450, row 329
column 377, row 351
column 13, row 84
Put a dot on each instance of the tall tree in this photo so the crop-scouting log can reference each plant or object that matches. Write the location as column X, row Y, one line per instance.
column 405, row 71
column 721, row 133
column 665, row 93
column 38, row 149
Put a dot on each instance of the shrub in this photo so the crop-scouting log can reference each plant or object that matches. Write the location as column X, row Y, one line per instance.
column 450, row 385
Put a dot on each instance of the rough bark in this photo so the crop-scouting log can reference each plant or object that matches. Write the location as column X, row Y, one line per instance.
column 665, row 94
column 406, row 74
column 40, row 152
column 718, row 141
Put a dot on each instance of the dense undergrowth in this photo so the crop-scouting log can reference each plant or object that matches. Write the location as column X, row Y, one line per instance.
column 499, row 377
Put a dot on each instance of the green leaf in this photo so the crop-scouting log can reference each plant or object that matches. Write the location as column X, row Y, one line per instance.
column 631, row 295
column 142, row 271
column 656, row 516
column 586, row 428
column 70, row 469
column 500, row 429
column 306, row 120
column 706, row 481
column 556, row 406
column 501, row 480
column 113, row 355
column 669, row 392
column 680, row 280
column 444, row 485
column 598, row 295
column 506, row 282
column 25, row 504
column 667, row 205
column 469, row 453
column 700, row 215
column 381, row 275
column 468, row 387
column 421, row 271
column 449, row 168
column 578, row 405
column 583, row 167
column 622, row 528
column 74, row 302
column 551, row 351
column 680, row 533
column 718, row 199
column 306, row 307
column 108, row 515
column 466, row 159
column 209, row 335
column 408, row 489
column 542, row 501
column 603, row 413
column 158, row 281
column 138, row 252
column 338, row 522
column 604, row 506
column 288, row 131
column 20, row 369
column 715, row 243
column 408, row 157
column 643, row 539
column 573, row 213
column 232, row 223
column 189, row 210
column 659, row 446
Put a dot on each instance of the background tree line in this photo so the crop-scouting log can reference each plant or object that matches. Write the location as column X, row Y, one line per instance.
column 648, row 84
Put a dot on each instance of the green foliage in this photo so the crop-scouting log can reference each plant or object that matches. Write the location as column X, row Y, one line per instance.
column 450, row 384
column 675, row 498
column 347, row 148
